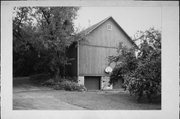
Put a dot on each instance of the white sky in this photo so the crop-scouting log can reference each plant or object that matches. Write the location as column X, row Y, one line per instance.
column 130, row 19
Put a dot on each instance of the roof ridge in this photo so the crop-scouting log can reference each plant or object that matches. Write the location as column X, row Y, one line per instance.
column 99, row 23
column 91, row 28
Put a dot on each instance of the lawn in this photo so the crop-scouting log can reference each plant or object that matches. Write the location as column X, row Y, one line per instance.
column 27, row 97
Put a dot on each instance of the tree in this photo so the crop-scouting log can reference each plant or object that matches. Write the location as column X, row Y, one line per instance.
column 141, row 73
column 57, row 34
column 126, row 62
column 23, row 51
column 50, row 31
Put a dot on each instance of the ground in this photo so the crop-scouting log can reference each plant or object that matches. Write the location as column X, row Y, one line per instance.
column 27, row 96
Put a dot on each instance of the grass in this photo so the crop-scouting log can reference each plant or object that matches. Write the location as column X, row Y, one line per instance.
column 27, row 96
column 50, row 99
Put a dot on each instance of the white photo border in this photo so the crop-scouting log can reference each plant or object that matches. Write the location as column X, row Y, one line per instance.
column 170, row 65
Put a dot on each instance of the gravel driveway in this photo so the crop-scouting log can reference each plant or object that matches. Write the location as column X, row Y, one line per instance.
column 29, row 97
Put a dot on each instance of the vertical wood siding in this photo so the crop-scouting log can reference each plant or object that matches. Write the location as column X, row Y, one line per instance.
column 93, row 51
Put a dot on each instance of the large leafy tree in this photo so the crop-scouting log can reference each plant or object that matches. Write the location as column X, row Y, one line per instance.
column 23, row 51
column 57, row 33
column 49, row 32
column 142, row 72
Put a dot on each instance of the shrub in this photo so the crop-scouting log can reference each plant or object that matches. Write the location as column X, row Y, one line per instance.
column 141, row 73
column 73, row 79
column 68, row 83
column 146, row 79
column 49, row 83
column 69, row 86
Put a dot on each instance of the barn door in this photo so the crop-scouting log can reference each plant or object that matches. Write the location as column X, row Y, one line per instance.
column 92, row 82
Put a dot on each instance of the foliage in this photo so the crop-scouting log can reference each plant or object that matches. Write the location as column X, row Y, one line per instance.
column 141, row 73
column 23, row 52
column 69, row 86
column 125, row 62
column 50, row 82
column 57, row 34
column 41, row 37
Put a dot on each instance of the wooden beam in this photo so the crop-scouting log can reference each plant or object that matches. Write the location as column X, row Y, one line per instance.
column 94, row 74
column 98, row 46
column 78, row 58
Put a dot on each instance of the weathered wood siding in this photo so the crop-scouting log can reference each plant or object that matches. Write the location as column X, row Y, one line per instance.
column 100, row 44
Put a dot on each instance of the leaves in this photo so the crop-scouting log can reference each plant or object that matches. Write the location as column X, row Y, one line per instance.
column 141, row 74
column 45, row 33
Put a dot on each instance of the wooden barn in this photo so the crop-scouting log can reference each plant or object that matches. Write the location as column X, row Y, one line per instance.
column 91, row 53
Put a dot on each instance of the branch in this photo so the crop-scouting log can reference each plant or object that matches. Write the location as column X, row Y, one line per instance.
column 46, row 18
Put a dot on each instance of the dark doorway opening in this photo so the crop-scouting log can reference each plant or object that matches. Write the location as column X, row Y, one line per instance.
column 92, row 82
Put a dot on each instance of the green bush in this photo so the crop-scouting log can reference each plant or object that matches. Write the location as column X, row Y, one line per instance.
column 68, row 83
column 69, row 86
column 49, row 83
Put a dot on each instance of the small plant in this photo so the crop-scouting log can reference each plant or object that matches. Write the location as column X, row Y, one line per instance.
column 49, row 83
column 68, row 83
column 69, row 86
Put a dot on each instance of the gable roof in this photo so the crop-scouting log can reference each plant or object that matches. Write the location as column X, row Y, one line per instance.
column 93, row 27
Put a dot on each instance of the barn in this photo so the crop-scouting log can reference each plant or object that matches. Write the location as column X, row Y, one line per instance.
column 90, row 64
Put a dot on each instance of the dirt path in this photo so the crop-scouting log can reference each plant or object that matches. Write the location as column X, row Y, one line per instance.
column 27, row 96
column 38, row 100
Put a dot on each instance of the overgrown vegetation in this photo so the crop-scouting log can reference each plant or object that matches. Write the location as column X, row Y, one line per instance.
column 142, row 72
column 41, row 37
column 64, row 84
column 67, row 83
column 69, row 86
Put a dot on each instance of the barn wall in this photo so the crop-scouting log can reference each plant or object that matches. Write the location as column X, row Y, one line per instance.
column 93, row 60
column 101, row 43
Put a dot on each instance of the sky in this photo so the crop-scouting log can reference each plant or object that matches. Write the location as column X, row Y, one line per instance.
column 131, row 19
